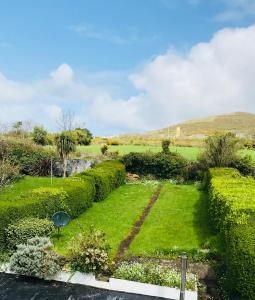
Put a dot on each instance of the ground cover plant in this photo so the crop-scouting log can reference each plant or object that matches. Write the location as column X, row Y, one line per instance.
column 177, row 222
column 114, row 216
column 154, row 274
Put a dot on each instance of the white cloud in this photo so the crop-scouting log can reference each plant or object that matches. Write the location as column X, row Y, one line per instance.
column 236, row 10
column 211, row 78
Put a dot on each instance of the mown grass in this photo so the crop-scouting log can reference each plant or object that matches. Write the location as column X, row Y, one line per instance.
column 177, row 222
column 115, row 216
column 25, row 184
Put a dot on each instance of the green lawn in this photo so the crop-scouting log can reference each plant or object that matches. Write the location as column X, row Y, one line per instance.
column 178, row 221
column 188, row 152
column 115, row 215
column 23, row 185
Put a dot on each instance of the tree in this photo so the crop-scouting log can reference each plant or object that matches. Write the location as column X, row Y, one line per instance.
column 65, row 143
column 83, row 136
column 165, row 146
column 17, row 126
column 220, row 150
column 40, row 136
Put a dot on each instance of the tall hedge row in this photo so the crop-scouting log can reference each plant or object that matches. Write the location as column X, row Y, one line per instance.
column 107, row 176
column 232, row 209
column 74, row 195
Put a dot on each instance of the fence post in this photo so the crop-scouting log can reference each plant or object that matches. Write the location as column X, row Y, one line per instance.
column 183, row 275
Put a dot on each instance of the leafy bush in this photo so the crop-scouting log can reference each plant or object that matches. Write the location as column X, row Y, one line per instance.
column 165, row 146
column 40, row 136
column 73, row 195
column 35, row 258
column 19, row 232
column 89, row 253
column 161, row 165
column 8, row 173
column 107, row 176
column 245, row 165
column 154, row 274
column 104, row 149
column 232, row 209
column 220, row 150
column 30, row 158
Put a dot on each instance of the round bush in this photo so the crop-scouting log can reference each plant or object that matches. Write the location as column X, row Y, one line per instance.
column 25, row 229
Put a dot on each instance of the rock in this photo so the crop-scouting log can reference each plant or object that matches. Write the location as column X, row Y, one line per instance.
column 132, row 177
column 74, row 166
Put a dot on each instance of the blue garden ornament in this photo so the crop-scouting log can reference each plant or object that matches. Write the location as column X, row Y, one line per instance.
column 60, row 219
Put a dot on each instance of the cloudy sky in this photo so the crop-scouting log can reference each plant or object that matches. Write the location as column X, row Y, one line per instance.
column 125, row 65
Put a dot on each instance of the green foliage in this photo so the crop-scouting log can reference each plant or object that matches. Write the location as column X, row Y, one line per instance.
column 66, row 144
column 165, row 146
column 19, row 232
column 220, row 150
column 73, row 195
column 30, row 158
column 104, row 149
column 107, row 176
column 161, row 165
column 8, row 173
column 40, row 136
column 88, row 252
column 35, row 258
column 245, row 165
column 154, row 274
column 232, row 209
column 83, row 136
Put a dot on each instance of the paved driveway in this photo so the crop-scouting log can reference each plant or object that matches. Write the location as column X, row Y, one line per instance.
column 14, row 287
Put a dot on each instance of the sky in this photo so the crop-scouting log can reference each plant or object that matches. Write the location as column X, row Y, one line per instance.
column 125, row 65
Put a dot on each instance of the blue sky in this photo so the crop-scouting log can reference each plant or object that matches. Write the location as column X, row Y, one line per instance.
column 105, row 52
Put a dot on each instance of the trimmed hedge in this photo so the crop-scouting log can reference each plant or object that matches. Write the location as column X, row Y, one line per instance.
column 73, row 195
column 107, row 176
column 232, row 209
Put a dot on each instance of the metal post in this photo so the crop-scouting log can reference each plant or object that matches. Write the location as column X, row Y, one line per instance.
column 183, row 275
column 51, row 170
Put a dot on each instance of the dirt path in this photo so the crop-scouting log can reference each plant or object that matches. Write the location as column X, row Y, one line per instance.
column 137, row 226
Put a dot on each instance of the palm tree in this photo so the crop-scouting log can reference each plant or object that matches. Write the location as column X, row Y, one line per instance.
column 65, row 143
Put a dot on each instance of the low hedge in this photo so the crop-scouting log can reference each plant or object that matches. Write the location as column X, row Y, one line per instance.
column 107, row 176
column 73, row 195
column 232, row 209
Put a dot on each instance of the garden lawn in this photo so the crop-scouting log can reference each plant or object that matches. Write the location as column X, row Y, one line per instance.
column 178, row 221
column 25, row 184
column 115, row 215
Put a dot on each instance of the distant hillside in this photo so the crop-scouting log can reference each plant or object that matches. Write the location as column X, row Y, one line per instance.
column 241, row 123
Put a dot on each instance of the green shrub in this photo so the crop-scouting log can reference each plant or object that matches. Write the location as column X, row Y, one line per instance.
column 35, row 258
column 165, row 146
column 154, row 274
column 8, row 173
column 107, row 176
column 161, row 165
column 232, row 209
column 19, row 232
column 30, row 158
column 89, row 253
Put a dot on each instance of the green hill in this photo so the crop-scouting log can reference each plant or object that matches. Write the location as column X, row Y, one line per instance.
column 241, row 123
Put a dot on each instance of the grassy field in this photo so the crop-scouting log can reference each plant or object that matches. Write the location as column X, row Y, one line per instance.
column 115, row 215
column 188, row 152
column 178, row 221
column 23, row 185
